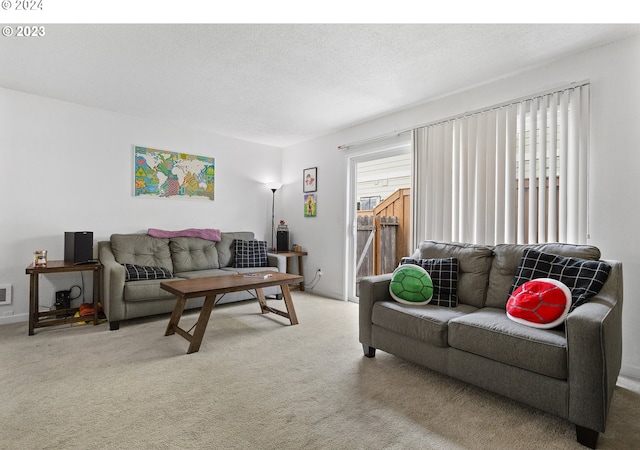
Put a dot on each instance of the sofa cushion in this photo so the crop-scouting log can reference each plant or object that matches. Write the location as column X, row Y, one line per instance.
column 411, row 284
column 507, row 258
column 141, row 249
column 444, row 275
column 192, row 253
column 584, row 278
column 135, row 272
column 250, row 253
column 144, row 290
column 427, row 323
column 489, row 333
column 474, row 262
column 226, row 253
column 540, row 303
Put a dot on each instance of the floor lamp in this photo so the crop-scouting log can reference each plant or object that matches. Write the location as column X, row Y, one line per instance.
column 274, row 187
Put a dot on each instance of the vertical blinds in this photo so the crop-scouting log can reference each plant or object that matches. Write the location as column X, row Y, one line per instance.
column 512, row 174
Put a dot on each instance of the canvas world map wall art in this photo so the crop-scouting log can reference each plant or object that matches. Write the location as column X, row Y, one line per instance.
column 161, row 173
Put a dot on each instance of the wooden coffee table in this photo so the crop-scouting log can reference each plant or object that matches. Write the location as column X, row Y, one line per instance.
column 211, row 287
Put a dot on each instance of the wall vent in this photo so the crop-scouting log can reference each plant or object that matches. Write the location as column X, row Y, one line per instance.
column 5, row 294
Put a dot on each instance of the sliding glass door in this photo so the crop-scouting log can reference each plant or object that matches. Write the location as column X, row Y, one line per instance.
column 378, row 209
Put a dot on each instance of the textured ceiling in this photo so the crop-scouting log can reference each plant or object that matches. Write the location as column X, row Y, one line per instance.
column 279, row 84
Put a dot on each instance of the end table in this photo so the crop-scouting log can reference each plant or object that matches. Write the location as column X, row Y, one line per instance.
column 298, row 255
column 38, row 319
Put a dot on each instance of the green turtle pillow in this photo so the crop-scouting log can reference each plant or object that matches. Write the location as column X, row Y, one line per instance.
column 444, row 275
column 411, row 284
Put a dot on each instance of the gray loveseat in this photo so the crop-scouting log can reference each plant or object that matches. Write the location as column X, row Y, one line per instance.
column 183, row 257
column 569, row 371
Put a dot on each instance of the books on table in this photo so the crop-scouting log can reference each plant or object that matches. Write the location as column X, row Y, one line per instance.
column 258, row 275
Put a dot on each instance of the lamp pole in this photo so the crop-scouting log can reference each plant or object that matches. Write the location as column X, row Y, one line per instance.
column 274, row 187
column 273, row 204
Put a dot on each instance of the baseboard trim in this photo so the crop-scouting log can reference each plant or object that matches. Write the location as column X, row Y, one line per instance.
column 630, row 371
column 323, row 293
column 15, row 318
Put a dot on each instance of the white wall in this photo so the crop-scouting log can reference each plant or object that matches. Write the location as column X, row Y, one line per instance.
column 65, row 167
column 614, row 71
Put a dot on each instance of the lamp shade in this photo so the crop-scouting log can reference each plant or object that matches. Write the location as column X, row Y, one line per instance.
column 274, row 185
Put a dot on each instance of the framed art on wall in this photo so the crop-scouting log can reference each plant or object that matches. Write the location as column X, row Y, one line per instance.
column 310, row 180
column 161, row 173
column 310, row 205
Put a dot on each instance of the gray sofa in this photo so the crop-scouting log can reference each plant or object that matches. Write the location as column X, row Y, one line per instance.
column 569, row 371
column 184, row 257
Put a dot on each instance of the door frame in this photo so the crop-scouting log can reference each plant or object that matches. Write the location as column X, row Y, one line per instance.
column 397, row 145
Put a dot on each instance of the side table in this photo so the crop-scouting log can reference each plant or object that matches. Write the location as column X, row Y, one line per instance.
column 299, row 255
column 38, row 319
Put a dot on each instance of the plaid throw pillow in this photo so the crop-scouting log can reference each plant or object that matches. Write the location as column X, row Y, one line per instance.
column 250, row 253
column 135, row 272
column 584, row 278
column 444, row 274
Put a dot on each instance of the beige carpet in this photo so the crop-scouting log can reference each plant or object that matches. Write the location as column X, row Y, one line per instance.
column 258, row 384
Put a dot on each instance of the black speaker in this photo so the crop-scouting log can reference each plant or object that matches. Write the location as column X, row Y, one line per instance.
column 282, row 237
column 78, row 246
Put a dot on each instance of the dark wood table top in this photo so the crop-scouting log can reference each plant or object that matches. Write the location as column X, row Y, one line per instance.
column 289, row 253
column 198, row 287
column 63, row 266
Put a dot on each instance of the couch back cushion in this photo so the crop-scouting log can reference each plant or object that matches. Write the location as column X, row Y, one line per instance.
column 474, row 263
column 507, row 258
column 192, row 253
column 226, row 254
column 142, row 250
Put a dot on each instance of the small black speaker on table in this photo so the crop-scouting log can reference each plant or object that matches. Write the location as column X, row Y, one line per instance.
column 282, row 239
column 78, row 246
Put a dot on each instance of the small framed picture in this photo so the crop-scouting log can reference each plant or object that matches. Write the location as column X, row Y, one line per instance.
column 310, row 205
column 310, row 180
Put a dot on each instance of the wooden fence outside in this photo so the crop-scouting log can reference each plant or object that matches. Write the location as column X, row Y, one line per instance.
column 383, row 235
column 398, row 205
column 376, row 245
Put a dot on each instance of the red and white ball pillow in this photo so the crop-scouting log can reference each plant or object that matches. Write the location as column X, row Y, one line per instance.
column 540, row 303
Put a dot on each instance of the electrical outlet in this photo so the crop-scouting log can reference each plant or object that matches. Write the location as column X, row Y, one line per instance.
column 5, row 294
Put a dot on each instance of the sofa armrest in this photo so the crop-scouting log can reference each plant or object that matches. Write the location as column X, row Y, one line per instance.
column 594, row 346
column 372, row 289
column 279, row 261
column 113, row 278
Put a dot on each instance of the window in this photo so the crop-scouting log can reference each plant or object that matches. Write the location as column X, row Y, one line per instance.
column 368, row 203
column 487, row 178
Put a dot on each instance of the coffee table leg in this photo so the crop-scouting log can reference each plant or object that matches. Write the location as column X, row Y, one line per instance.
column 201, row 324
column 175, row 316
column 262, row 300
column 288, row 302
